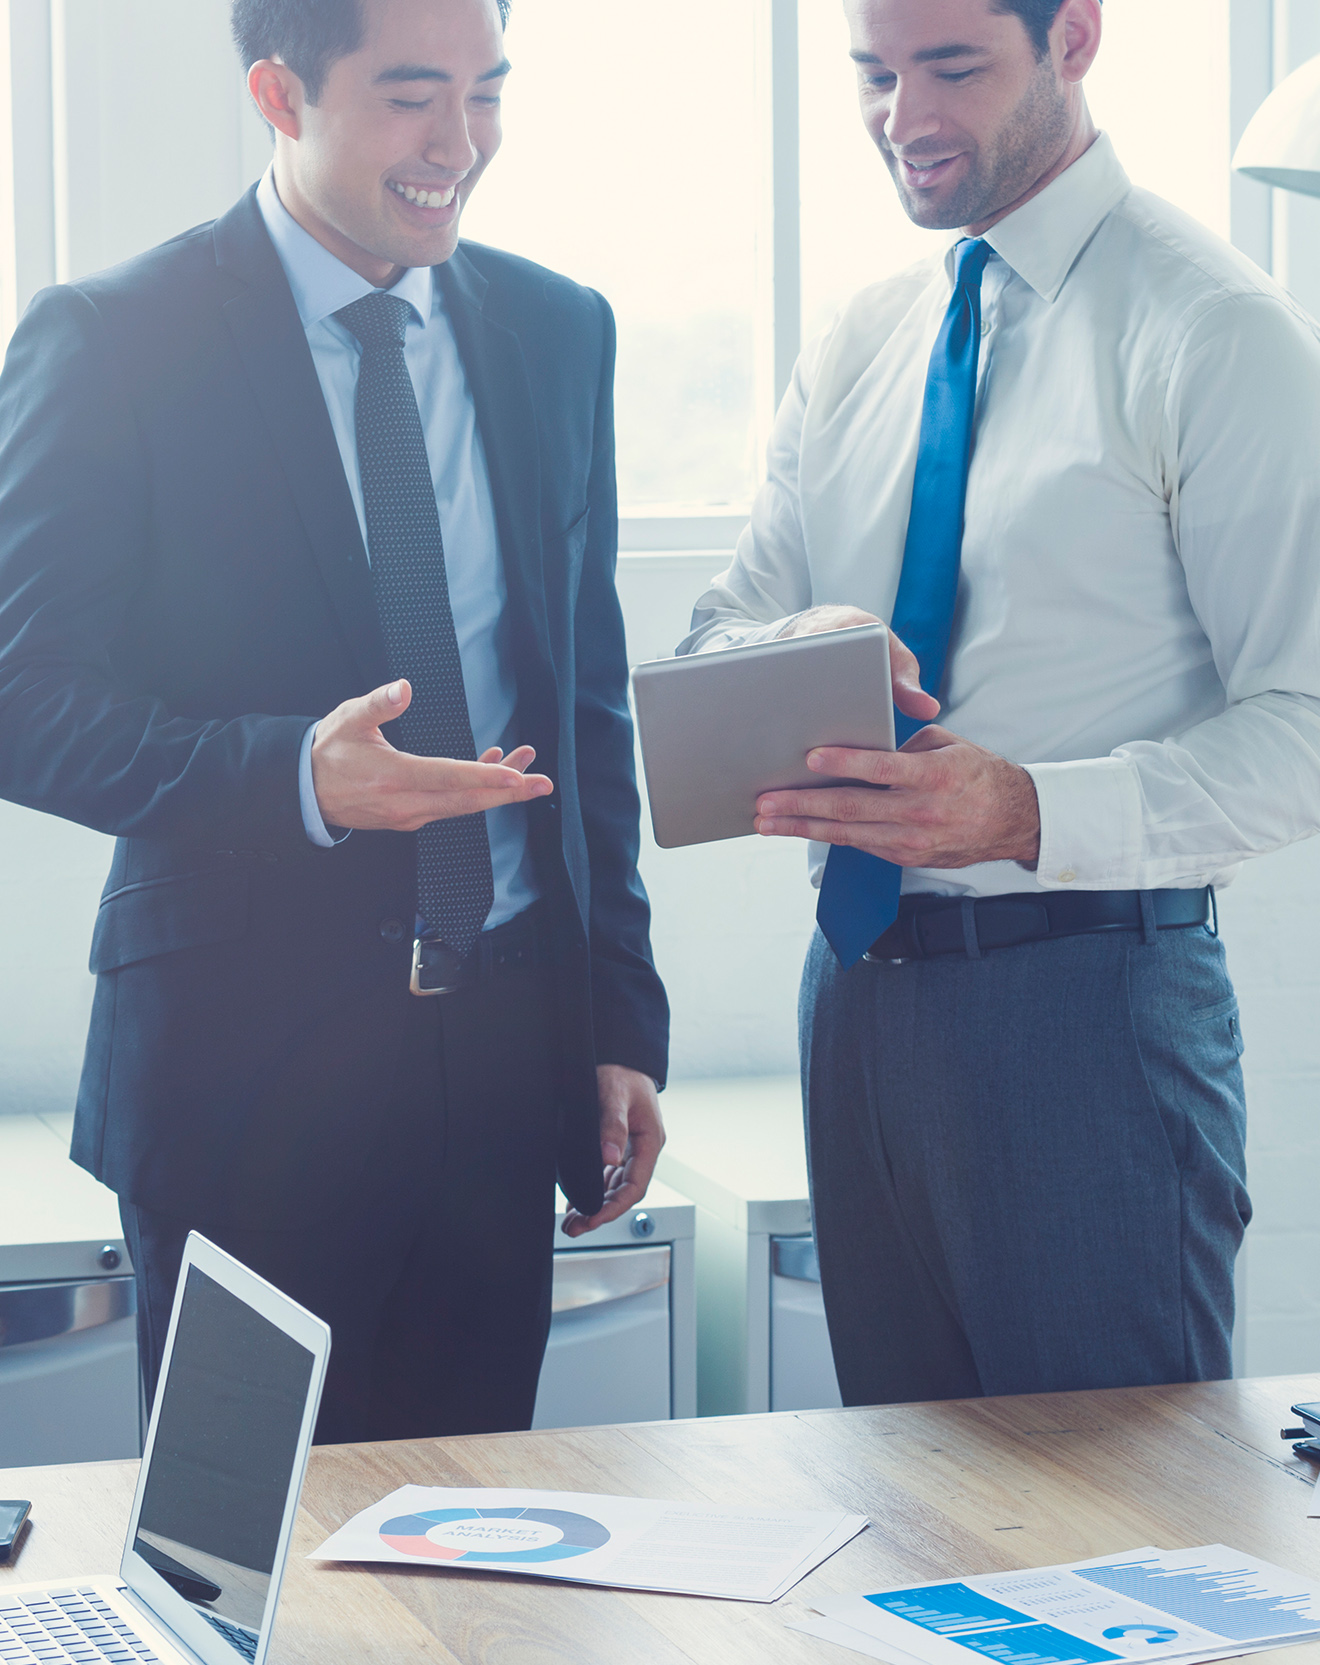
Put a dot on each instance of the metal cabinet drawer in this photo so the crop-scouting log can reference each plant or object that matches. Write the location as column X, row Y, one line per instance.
column 801, row 1364
column 68, row 1372
column 607, row 1359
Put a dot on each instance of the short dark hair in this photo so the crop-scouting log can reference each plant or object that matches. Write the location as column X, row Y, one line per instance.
column 1037, row 18
column 308, row 35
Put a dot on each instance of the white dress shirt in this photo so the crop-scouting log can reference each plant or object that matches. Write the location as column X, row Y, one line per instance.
column 1138, row 617
column 321, row 285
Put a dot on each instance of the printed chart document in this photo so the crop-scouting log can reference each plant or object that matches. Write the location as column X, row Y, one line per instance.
column 629, row 1542
column 1314, row 1510
column 1188, row 1604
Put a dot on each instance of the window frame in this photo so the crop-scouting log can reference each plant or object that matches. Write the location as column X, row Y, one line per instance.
column 1267, row 38
column 1255, row 29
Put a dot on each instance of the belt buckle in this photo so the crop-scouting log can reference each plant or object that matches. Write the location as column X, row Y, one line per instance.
column 436, row 968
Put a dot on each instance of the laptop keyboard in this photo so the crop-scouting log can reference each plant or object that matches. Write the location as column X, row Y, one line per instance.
column 78, row 1625
column 235, row 1635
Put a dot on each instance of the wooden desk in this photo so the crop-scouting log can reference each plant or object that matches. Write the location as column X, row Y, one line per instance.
column 977, row 1486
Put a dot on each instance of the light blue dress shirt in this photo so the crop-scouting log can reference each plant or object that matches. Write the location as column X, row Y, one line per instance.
column 321, row 285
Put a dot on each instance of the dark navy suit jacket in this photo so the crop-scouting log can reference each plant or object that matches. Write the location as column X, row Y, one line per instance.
column 183, row 589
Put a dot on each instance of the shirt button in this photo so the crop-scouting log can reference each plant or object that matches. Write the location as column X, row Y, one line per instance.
column 985, row 326
column 392, row 930
column 1067, row 876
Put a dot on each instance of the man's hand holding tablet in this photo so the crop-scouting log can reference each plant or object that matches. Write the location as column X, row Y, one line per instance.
column 939, row 802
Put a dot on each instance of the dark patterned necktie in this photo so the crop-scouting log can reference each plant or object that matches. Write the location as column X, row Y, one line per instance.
column 455, row 886
column 859, row 893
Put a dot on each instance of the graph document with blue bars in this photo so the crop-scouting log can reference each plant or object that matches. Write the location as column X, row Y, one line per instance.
column 1232, row 1601
column 1186, row 1605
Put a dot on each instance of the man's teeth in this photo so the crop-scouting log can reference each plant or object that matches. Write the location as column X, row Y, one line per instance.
column 424, row 199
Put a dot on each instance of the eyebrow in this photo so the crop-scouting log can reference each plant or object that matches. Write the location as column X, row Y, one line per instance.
column 427, row 72
column 932, row 54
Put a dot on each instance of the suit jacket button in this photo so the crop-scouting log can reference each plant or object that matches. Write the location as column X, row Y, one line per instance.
column 392, row 930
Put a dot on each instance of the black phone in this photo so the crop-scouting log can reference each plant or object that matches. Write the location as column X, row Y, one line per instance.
column 13, row 1512
column 1310, row 1415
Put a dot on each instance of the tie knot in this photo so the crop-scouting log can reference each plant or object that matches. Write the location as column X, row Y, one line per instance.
column 377, row 320
column 970, row 262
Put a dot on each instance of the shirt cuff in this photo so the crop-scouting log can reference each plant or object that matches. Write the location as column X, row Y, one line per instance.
column 771, row 632
column 1090, row 824
column 313, row 820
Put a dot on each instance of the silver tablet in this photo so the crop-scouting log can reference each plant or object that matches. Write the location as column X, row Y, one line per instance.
column 718, row 729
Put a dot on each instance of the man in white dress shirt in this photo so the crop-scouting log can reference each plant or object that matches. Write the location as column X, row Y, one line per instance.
column 1025, row 1108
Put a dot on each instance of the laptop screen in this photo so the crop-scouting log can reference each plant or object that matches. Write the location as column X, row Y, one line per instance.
column 213, row 1499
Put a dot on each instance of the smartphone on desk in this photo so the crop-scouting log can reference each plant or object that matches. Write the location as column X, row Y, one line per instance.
column 13, row 1512
column 1310, row 1415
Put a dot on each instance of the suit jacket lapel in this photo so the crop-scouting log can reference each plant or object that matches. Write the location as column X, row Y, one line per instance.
column 272, row 344
column 506, row 418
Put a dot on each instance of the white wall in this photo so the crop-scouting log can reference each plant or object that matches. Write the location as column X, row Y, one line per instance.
column 732, row 920
column 151, row 132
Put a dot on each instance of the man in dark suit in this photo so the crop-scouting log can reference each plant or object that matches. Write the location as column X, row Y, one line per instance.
column 307, row 532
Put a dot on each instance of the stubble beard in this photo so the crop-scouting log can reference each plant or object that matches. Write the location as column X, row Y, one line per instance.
column 1029, row 144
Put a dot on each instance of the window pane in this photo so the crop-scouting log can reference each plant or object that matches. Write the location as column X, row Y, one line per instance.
column 853, row 230
column 629, row 163
column 1159, row 87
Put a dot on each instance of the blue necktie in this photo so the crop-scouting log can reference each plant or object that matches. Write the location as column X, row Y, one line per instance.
column 455, row 884
column 859, row 893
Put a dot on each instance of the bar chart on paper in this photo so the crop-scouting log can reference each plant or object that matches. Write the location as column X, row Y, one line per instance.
column 1183, row 1605
column 1039, row 1645
column 1242, row 1603
column 987, row 1627
column 948, row 1609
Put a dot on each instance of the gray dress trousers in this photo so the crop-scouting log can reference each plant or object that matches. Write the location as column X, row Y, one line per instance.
column 1028, row 1170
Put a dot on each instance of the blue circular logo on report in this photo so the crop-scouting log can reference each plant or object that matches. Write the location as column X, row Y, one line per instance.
column 492, row 1536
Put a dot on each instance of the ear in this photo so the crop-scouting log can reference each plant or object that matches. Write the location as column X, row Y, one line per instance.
column 1075, row 37
column 278, row 94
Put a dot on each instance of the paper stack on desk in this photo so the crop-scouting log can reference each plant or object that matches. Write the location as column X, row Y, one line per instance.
column 627, row 1542
column 1185, row 1605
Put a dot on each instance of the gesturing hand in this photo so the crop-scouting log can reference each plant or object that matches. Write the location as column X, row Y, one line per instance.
column 940, row 802
column 362, row 781
column 631, row 1135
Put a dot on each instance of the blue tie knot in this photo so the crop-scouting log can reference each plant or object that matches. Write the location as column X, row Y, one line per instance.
column 377, row 320
column 970, row 262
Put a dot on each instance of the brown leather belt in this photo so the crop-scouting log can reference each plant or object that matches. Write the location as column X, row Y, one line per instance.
column 514, row 946
column 931, row 925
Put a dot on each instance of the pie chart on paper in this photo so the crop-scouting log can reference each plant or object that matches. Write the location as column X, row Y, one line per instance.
column 489, row 1537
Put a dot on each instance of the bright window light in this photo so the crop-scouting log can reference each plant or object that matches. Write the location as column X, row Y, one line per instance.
column 630, row 163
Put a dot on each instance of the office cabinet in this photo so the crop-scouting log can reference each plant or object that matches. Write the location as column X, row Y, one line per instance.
column 68, row 1331
column 68, row 1372
column 736, row 1149
column 622, row 1342
column 622, row 1337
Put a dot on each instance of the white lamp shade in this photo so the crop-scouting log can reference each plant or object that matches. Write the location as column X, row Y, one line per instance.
column 1281, row 145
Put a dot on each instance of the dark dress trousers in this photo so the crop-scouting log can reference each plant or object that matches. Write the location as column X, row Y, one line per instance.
column 183, row 589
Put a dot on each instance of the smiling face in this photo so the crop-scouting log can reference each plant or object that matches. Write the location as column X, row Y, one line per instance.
column 379, row 168
column 968, row 119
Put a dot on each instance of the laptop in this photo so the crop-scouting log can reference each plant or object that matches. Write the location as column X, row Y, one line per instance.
column 208, row 1538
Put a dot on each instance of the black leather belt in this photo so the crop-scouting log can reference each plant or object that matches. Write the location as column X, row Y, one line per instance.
column 514, row 946
column 931, row 925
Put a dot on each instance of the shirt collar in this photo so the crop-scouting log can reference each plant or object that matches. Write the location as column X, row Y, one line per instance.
column 320, row 282
column 1042, row 240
